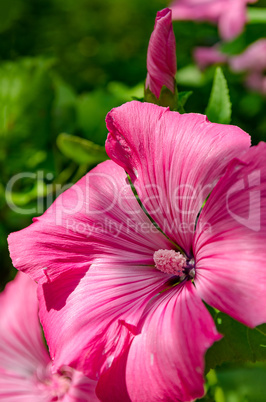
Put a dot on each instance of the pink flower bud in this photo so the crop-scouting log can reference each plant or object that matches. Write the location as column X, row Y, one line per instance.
column 161, row 58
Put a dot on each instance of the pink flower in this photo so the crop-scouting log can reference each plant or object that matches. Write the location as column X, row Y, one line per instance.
column 121, row 299
column 206, row 56
column 230, row 15
column 161, row 58
column 25, row 366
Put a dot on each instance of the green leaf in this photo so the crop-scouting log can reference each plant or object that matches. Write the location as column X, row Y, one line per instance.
column 219, row 106
column 256, row 15
column 182, row 100
column 239, row 344
column 80, row 150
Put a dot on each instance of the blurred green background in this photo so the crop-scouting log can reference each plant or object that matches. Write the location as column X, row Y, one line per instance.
column 63, row 65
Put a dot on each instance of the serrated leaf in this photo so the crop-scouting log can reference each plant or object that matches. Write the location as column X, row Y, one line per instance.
column 80, row 150
column 219, row 106
column 239, row 344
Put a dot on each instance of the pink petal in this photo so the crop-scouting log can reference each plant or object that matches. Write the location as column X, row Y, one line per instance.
column 166, row 360
column 161, row 57
column 231, row 254
column 97, row 219
column 22, row 348
column 174, row 161
column 90, row 326
column 109, row 388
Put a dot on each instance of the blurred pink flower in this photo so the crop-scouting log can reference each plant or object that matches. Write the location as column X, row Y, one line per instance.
column 257, row 82
column 25, row 366
column 120, row 298
column 230, row 15
column 252, row 59
column 161, row 57
column 207, row 56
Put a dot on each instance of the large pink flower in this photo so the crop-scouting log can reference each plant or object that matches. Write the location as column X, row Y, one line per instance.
column 25, row 366
column 120, row 292
column 161, row 57
column 230, row 15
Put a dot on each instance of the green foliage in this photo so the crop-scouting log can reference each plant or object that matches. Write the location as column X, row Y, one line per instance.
column 239, row 344
column 80, row 150
column 182, row 100
column 235, row 383
column 219, row 106
column 21, row 84
column 256, row 15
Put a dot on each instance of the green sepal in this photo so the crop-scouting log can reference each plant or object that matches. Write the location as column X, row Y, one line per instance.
column 167, row 98
column 81, row 150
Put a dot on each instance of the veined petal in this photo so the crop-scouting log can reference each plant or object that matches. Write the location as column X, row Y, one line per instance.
column 174, row 161
column 231, row 255
column 92, row 325
column 97, row 219
column 22, row 348
column 109, row 389
column 166, row 360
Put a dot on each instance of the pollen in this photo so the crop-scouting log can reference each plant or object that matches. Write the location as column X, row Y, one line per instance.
column 170, row 262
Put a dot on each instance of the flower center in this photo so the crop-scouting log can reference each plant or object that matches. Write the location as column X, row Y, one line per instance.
column 175, row 263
